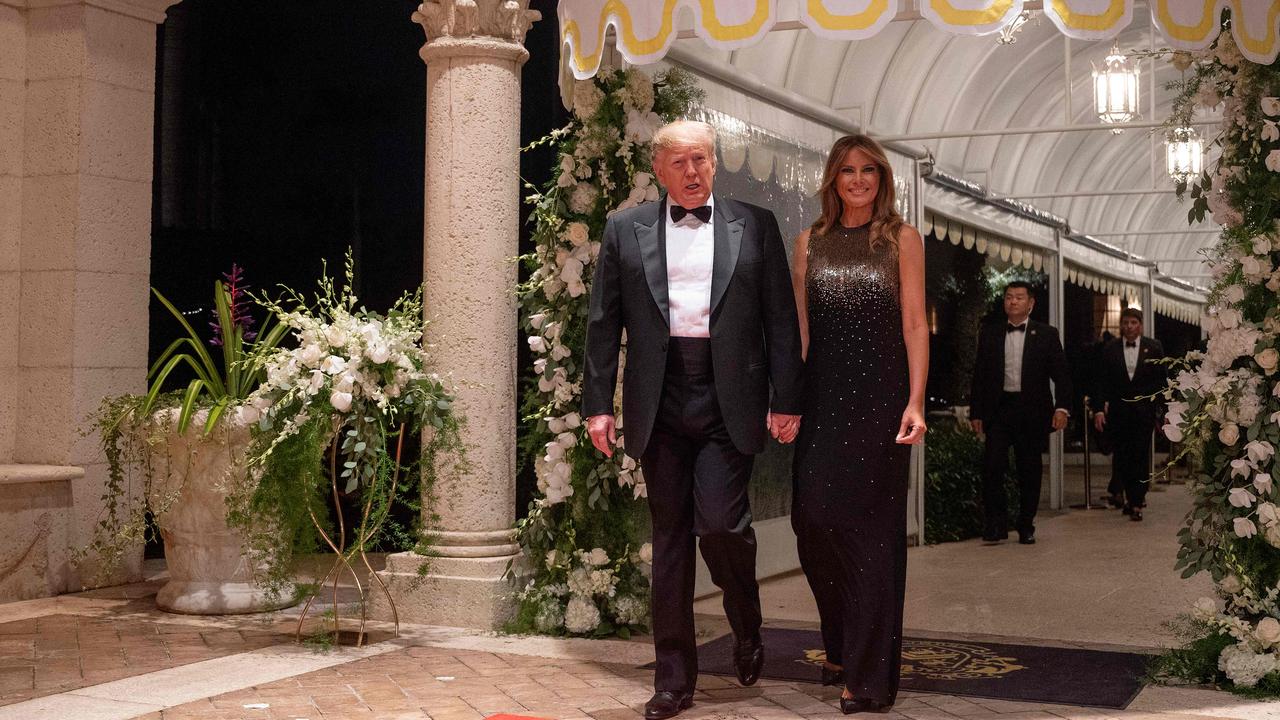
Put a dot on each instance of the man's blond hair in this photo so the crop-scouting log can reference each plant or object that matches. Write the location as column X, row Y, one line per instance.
column 683, row 133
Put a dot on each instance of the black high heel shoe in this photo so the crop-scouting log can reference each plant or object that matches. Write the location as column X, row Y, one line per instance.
column 831, row 677
column 849, row 706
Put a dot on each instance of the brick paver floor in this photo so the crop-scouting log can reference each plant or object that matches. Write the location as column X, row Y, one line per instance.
column 55, row 653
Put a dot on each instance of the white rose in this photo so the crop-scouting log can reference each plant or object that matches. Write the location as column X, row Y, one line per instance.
column 341, row 401
column 1206, row 607
column 1261, row 245
column 1271, row 106
column 1251, row 266
column 333, row 365
column 1244, row 527
column 577, row 234
column 1268, row 631
column 1229, row 318
column 1267, row 514
column 598, row 557
column 378, row 354
column 1229, row 434
column 1233, row 293
column 311, row 354
column 555, row 425
column 1259, row 451
column 646, row 553
column 1239, row 497
column 1231, row 585
column 336, row 336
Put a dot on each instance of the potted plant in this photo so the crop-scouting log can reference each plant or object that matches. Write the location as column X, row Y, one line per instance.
column 188, row 447
column 335, row 409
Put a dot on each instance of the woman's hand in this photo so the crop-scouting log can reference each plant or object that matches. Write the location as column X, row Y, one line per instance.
column 913, row 428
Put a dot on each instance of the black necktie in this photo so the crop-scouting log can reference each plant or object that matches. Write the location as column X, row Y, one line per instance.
column 1015, row 328
column 1131, row 343
column 702, row 213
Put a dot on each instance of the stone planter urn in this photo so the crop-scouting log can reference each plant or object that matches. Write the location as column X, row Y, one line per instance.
column 209, row 570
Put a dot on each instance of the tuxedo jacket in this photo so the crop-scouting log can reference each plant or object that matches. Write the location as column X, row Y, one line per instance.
column 755, row 335
column 1115, row 391
column 1042, row 361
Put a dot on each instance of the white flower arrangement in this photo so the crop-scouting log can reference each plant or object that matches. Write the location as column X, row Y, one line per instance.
column 580, row 532
column 1224, row 403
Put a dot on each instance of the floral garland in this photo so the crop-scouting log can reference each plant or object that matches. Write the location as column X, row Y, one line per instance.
column 1226, row 401
column 581, row 537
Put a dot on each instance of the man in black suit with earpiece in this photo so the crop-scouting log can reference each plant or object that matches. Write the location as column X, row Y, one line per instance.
column 1013, row 406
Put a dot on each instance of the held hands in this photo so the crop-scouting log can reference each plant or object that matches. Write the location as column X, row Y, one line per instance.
column 603, row 432
column 783, row 428
column 977, row 426
column 913, row 428
column 1100, row 421
column 1059, row 419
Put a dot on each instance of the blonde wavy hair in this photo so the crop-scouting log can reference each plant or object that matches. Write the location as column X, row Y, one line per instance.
column 886, row 222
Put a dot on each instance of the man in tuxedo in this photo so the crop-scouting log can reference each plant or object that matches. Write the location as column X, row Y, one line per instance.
column 1126, row 376
column 700, row 284
column 1012, row 405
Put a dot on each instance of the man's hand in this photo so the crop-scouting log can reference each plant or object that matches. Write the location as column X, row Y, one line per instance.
column 1059, row 419
column 976, row 425
column 1100, row 421
column 603, row 433
column 783, row 428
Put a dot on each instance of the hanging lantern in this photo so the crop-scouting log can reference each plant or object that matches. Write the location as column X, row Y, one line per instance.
column 1184, row 154
column 1115, row 89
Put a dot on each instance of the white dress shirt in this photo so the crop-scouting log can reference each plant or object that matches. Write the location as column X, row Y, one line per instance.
column 1131, row 357
column 1014, row 342
column 690, row 257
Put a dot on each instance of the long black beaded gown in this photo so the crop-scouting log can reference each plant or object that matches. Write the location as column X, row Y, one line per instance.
column 849, row 504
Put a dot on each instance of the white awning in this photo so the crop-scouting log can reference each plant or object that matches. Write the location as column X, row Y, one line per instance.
column 645, row 29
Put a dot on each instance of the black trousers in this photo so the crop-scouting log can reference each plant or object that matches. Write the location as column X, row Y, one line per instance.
column 1131, row 465
column 1013, row 426
column 697, row 484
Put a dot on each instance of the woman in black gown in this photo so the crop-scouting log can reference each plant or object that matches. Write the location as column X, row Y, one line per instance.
column 858, row 274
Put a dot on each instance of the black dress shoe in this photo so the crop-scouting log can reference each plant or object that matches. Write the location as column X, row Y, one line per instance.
column 1114, row 501
column 831, row 677
column 994, row 537
column 1136, row 515
column 849, row 706
column 748, row 659
column 1128, row 510
column 1027, row 538
column 665, row 704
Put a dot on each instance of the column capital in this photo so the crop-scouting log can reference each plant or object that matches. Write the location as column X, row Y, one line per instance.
column 450, row 21
column 149, row 10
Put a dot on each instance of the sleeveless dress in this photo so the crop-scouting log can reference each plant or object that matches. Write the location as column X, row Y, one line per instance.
column 849, row 502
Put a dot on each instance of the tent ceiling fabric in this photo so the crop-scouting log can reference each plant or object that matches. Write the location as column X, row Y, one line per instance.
column 646, row 28
column 911, row 78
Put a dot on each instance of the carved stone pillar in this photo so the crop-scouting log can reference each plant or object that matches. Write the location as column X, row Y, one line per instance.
column 474, row 53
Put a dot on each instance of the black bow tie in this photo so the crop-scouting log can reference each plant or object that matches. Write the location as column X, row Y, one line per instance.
column 1131, row 343
column 1015, row 328
column 702, row 213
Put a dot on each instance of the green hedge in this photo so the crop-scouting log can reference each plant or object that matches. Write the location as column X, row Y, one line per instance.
column 953, row 484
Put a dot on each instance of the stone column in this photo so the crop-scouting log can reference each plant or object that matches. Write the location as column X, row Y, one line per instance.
column 76, row 140
column 474, row 53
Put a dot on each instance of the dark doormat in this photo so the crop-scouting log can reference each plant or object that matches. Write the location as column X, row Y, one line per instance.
column 1027, row 673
